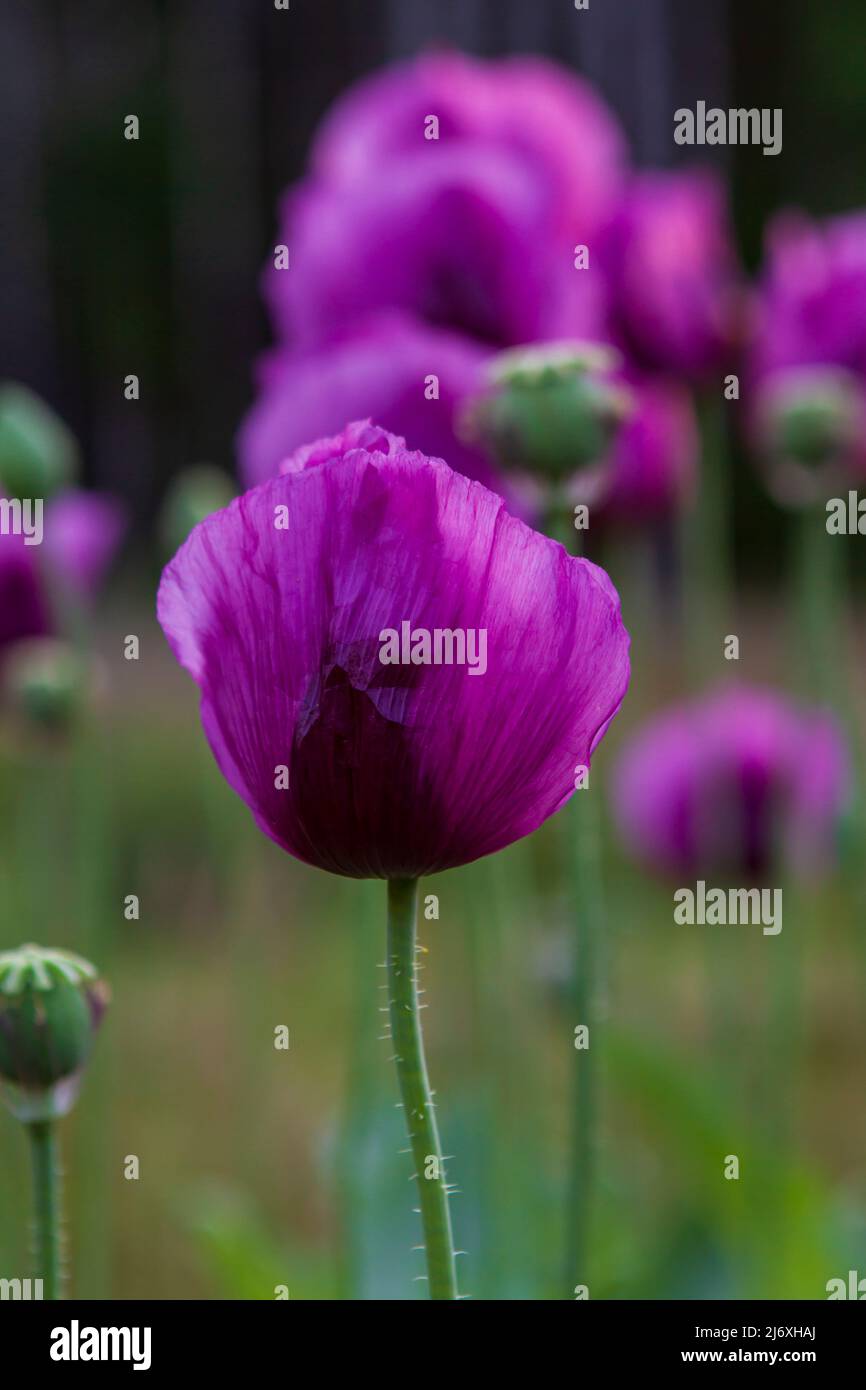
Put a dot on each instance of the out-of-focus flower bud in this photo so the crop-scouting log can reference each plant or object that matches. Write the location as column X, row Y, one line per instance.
column 717, row 787
column 38, row 454
column 673, row 276
column 83, row 532
column 811, row 300
column 45, row 682
column 550, row 410
column 195, row 493
column 811, row 428
column 51, row 1005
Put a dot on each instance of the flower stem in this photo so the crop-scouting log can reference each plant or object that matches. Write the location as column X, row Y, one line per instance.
column 582, row 855
column 46, row 1204
column 818, row 638
column 588, row 914
column 709, row 578
column 362, row 1096
column 415, row 1088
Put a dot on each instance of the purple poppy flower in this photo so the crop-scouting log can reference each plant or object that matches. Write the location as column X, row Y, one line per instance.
column 811, row 305
column 653, row 462
column 730, row 784
column 673, row 274
column 82, row 533
column 550, row 120
column 288, row 609
column 463, row 241
column 23, row 606
column 384, row 370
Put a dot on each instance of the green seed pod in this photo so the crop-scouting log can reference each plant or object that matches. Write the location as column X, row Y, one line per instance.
column 38, row 454
column 51, row 1005
column 550, row 410
column 811, row 423
column 46, row 682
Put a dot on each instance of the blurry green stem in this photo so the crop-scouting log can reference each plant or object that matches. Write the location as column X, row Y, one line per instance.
column 415, row 1088
column 819, row 610
column 708, row 603
column 587, row 907
column 818, row 660
column 91, row 803
column 361, row 1093
column 581, row 849
column 46, row 1204
column 706, row 544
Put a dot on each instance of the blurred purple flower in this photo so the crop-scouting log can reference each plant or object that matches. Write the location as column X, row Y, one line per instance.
column 552, row 122
column 653, row 463
column 474, row 230
column 23, row 607
column 673, row 275
column 82, row 533
column 393, row 770
column 811, row 304
column 732, row 784
column 380, row 371
column 463, row 240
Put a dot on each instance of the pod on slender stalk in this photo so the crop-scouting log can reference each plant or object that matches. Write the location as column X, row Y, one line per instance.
column 51, row 1005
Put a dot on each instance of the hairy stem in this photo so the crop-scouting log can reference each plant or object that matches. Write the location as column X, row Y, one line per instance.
column 415, row 1088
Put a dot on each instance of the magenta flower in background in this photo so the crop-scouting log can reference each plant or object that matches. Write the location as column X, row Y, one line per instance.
column 394, row 770
column 811, row 304
column 554, row 124
column 732, row 784
column 23, row 606
column 382, row 371
column 673, row 274
column 652, row 467
column 457, row 235
column 82, row 533
column 474, row 231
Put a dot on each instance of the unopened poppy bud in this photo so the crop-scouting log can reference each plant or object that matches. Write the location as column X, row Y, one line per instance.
column 193, row 495
column 812, row 430
column 51, row 1005
column 550, row 410
column 45, row 682
column 38, row 454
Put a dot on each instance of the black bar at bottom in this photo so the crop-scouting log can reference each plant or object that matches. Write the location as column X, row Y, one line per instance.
column 152, row 1338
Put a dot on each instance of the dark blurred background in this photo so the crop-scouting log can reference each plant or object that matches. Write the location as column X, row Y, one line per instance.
column 120, row 256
